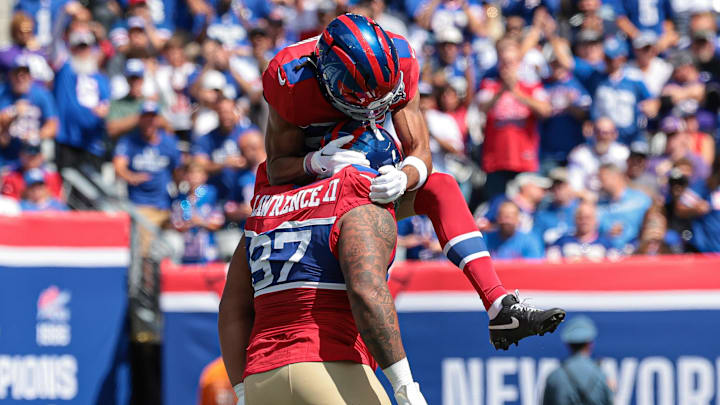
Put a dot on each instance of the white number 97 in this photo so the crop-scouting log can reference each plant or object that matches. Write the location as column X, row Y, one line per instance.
column 262, row 262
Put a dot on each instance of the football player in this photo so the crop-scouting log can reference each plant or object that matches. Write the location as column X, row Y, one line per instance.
column 356, row 69
column 306, row 314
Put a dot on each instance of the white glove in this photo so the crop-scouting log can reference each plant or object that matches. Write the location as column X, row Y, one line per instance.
column 239, row 389
column 332, row 158
column 410, row 395
column 389, row 186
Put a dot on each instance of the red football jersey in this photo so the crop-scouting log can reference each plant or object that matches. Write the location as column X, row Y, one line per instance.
column 512, row 139
column 291, row 87
column 302, row 312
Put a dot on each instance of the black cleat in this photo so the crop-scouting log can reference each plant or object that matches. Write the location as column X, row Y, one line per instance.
column 518, row 320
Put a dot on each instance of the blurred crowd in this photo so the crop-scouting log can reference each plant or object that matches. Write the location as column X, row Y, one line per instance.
column 576, row 128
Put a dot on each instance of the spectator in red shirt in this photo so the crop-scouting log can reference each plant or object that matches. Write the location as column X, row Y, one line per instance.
column 513, row 108
column 13, row 183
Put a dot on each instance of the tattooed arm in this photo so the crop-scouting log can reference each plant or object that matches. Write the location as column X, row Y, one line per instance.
column 367, row 238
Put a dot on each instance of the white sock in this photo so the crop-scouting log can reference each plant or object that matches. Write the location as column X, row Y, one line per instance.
column 399, row 374
column 495, row 308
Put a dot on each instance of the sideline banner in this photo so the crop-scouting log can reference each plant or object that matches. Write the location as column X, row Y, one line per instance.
column 658, row 321
column 63, row 299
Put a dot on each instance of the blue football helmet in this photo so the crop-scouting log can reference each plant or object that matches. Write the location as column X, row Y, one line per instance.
column 358, row 68
column 378, row 146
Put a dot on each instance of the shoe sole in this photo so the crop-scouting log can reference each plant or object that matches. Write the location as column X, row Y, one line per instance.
column 547, row 326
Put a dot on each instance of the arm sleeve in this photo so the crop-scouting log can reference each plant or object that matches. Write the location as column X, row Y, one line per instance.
column 47, row 105
column 201, row 146
column 122, row 149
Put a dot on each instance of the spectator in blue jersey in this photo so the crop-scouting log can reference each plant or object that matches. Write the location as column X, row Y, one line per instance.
column 146, row 160
column 25, row 45
column 555, row 217
column 137, row 44
column 562, row 130
column 223, row 25
column 27, row 109
column 621, row 208
column 218, row 152
column 252, row 148
column 196, row 214
column 588, row 62
column 525, row 191
column 417, row 236
column 43, row 13
column 37, row 196
column 437, row 15
column 623, row 96
column 508, row 242
column 701, row 204
column 144, row 27
column 449, row 64
column 82, row 94
column 585, row 242
column 635, row 16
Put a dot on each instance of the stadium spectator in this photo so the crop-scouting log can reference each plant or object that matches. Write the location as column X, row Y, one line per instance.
column 172, row 77
column 622, row 96
column 25, row 45
column 377, row 10
column 637, row 170
column 570, row 104
column 237, row 208
column 446, row 139
column 145, row 160
column 37, row 196
column 508, row 242
column 82, row 95
column 621, row 208
column 27, row 109
column 594, row 15
column 133, row 40
column 655, row 71
column 677, row 146
column 681, row 204
column 701, row 205
column 513, row 108
column 588, row 61
column 579, row 379
column 9, row 151
column 585, row 242
column 584, row 160
column 448, row 63
column 634, row 17
column 525, row 191
column 655, row 238
column 417, row 236
column 556, row 216
column 218, row 152
column 685, row 84
column 438, row 15
column 30, row 158
column 704, row 51
column 701, row 143
column 124, row 114
column 223, row 25
column 252, row 148
column 195, row 213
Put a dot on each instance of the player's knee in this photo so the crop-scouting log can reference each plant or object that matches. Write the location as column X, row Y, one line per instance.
column 440, row 183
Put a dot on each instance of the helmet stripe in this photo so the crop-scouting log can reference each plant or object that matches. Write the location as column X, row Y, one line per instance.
column 350, row 66
column 377, row 71
column 385, row 41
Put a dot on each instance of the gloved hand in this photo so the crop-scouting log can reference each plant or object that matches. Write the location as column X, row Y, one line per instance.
column 389, row 186
column 410, row 395
column 239, row 389
column 332, row 158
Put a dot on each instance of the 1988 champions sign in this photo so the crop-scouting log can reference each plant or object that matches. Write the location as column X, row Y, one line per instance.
column 62, row 309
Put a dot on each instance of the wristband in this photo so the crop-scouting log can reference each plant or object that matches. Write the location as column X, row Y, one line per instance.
column 307, row 164
column 419, row 165
column 399, row 374
column 239, row 389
